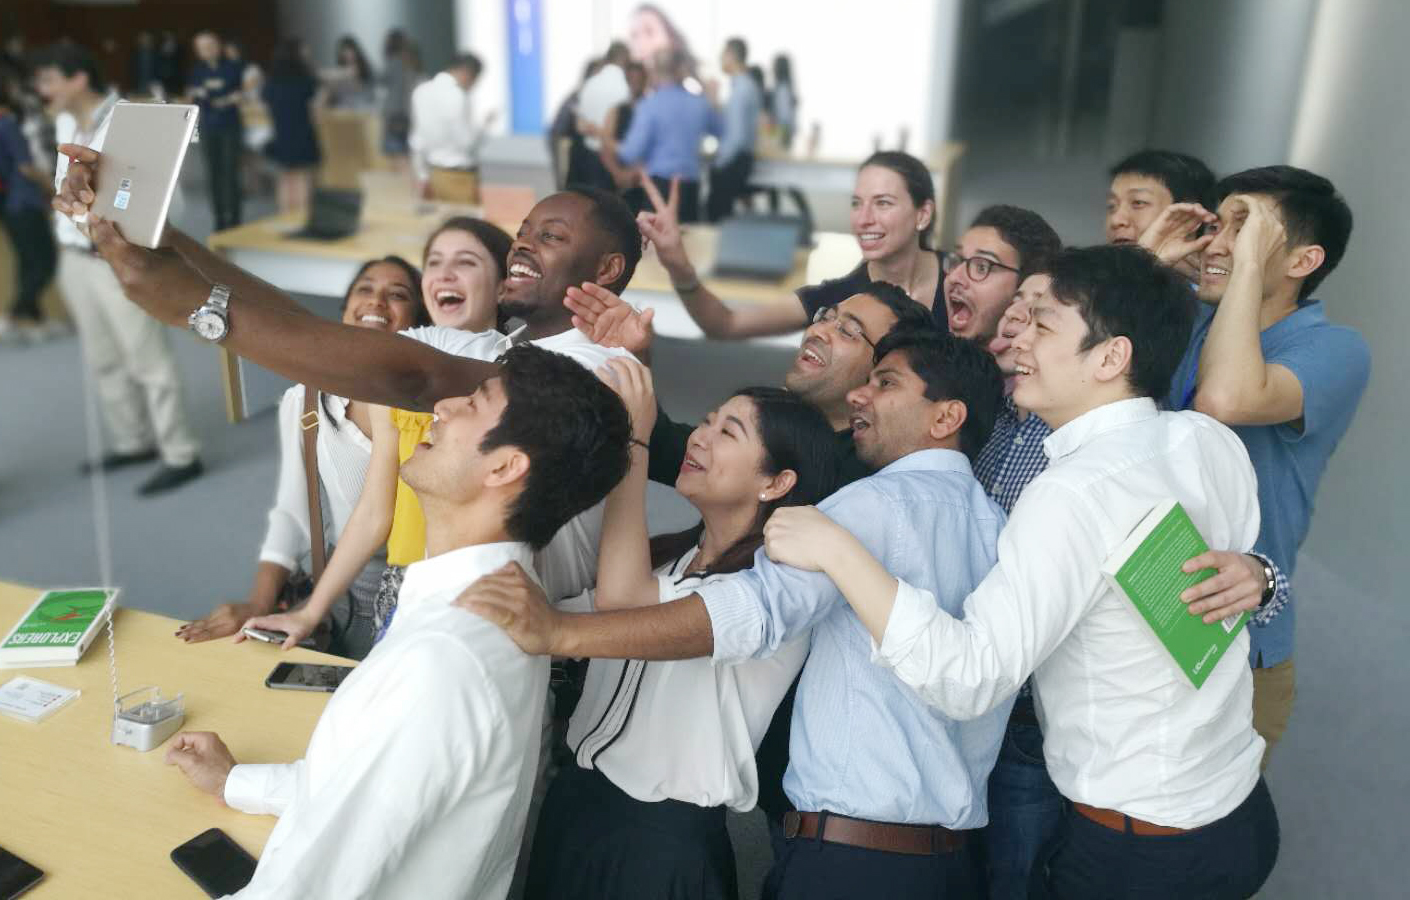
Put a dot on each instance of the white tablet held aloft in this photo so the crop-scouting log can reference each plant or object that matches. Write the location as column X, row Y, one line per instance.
column 140, row 165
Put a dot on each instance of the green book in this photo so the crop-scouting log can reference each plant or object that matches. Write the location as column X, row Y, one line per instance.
column 58, row 628
column 1146, row 568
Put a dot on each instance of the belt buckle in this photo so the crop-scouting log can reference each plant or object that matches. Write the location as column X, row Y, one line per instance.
column 792, row 824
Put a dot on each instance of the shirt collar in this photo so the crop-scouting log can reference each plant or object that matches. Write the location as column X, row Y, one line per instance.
column 443, row 577
column 934, row 459
column 1094, row 423
column 556, row 342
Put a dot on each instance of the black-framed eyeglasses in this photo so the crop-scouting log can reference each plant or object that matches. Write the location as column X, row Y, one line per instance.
column 849, row 328
column 977, row 267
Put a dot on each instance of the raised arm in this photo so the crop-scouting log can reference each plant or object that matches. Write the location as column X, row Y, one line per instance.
column 718, row 320
column 624, row 574
column 1236, row 384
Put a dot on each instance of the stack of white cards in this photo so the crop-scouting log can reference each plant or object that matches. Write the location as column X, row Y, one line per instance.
column 31, row 700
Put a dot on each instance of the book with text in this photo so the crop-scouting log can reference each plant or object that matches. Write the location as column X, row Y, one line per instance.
column 58, row 628
column 1146, row 568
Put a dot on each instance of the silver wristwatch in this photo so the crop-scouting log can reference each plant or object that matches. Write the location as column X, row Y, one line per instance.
column 212, row 320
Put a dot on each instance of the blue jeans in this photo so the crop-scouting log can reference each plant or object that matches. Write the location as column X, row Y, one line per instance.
column 1025, row 811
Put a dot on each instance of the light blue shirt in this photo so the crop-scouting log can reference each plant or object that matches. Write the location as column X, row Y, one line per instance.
column 863, row 744
column 667, row 128
column 741, row 125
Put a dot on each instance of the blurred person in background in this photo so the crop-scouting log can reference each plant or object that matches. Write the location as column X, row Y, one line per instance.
column 24, row 205
column 399, row 77
column 291, row 93
column 350, row 82
column 215, row 86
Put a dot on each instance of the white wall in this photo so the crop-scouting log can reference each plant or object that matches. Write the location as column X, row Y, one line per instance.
column 1352, row 127
column 430, row 23
column 858, row 75
column 1231, row 74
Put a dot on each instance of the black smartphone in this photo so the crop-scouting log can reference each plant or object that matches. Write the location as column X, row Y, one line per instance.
column 16, row 875
column 217, row 864
column 307, row 677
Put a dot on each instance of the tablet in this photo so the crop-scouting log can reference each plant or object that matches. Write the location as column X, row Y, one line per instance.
column 140, row 165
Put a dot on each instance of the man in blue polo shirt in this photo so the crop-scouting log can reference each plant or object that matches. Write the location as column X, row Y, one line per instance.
column 1265, row 360
column 214, row 85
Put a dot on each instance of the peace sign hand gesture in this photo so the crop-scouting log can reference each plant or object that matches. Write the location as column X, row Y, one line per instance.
column 663, row 227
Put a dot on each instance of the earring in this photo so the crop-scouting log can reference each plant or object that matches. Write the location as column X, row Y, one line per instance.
column 763, row 498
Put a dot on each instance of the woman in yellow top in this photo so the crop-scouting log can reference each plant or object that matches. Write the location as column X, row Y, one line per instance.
column 462, row 267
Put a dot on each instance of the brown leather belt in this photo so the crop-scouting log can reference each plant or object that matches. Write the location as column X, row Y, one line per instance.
column 1110, row 818
column 916, row 840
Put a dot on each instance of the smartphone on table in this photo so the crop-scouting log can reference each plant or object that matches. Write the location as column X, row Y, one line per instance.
column 16, row 875
column 217, row 864
column 307, row 677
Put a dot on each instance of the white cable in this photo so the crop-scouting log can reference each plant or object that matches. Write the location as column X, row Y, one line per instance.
column 102, row 531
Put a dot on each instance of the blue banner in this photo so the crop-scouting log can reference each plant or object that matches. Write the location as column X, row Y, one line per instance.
column 525, row 18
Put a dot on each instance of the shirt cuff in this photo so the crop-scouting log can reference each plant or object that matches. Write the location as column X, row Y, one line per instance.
column 911, row 615
column 279, row 559
column 262, row 790
column 735, row 619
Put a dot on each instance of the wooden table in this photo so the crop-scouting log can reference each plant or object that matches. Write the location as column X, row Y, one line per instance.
column 102, row 820
column 325, row 268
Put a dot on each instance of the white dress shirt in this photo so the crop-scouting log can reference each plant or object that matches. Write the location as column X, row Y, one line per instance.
column 418, row 775
column 601, row 94
column 683, row 730
column 443, row 133
column 343, row 455
column 1123, row 728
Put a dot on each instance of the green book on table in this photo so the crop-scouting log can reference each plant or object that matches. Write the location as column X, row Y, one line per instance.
column 1147, row 570
column 58, row 628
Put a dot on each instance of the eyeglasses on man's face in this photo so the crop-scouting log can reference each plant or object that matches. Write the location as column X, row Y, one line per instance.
column 977, row 267
column 846, row 326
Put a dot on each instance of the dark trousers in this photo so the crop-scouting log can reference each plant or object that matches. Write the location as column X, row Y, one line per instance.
column 222, row 147
column 690, row 197
column 36, row 257
column 1025, row 808
column 812, row 869
column 727, row 184
column 594, row 842
column 585, row 168
column 1225, row 860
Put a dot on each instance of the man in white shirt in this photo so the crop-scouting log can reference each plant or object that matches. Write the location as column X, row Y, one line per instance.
column 604, row 92
column 444, row 134
column 128, row 358
column 1163, row 778
column 429, row 798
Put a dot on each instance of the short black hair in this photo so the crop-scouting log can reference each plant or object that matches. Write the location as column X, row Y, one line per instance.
column 909, row 314
column 575, row 431
column 953, row 369
column 919, row 185
column 1187, row 178
column 738, row 49
column 70, row 59
column 1312, row 211
column 1025, row 231
column 1122, row 289
column 613, row 215
column 467, row 61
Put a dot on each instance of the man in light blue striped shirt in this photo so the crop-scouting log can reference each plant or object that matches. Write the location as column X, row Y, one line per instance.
column 734, row 158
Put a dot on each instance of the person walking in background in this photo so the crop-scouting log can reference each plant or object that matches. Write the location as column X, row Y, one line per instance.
column 601, row 93
column 23, row 204
column 443, row 131
column 783, row 102
column 290, row 94
column 215, row 86
column 734, row 160
column 351, row 84
column 399, row 77
column 125, row 352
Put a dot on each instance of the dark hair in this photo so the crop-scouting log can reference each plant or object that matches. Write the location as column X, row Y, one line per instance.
column 360, row 63
column 467, row 61
column 575, row 431
column 1311, row 209
column 953, row 368
column 918, row 184
column 613, row 216
column 737, row 48
column 1122, row 289
column 909, row 314
column 70, row 59
column 288, row 61
column 495, row 239
column 796, row 435
column 423, row 316
column 1186, row 178
column 617, row 54
column 1025, row 231
column 395, row 43
column 783, row 70
column 757, row 74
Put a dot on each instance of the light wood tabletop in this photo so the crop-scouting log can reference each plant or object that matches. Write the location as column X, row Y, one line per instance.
column 102, row 820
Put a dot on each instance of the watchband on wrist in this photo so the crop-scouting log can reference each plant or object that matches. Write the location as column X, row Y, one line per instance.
column 1270, row 578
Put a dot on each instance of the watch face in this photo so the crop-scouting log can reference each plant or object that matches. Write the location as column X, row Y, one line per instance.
column 210, row 326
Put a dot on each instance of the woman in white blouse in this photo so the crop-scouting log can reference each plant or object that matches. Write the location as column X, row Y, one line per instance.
column 663, row 749
column 385, row 295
